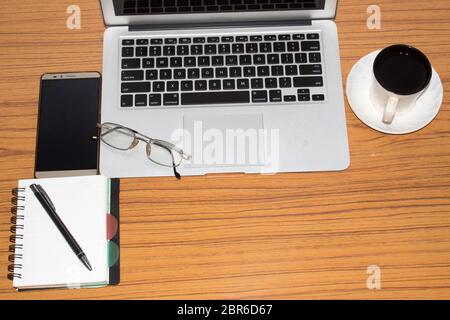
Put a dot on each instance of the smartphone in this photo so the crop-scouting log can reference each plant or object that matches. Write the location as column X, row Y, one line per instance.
column 69, row 110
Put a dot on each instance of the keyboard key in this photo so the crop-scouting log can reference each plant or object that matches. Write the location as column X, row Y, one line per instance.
column 131, row 63
column 223, row 97
column 126, row 101
column 172, row 86
column 284, row 37
column 207, row 73
column 259, row 59
column 277, row 71
column 141, row 51
column 251, row 47
column 221, row 72
column 165, row 74
column 151, row 74
column 275, row 95
column 169, row 50
column 203, row 61
column 279, row 47
column 213, row 39
column 299, row 37
column 241, row 38
column 257, row 83
column 182, row 50
column 270, row 38
column 128, row 42
column 273, row 59
column 228, row 84
column 309, row 69
column 197, row 49
column 318, row 97
column 287, row 58
column 154, row 99
column 210, row 49
column 162, row 62
column 263, row 71
column 224, row 48
column 176, row 62
column 271, row 83
column 237, row 48
column 171, row 99
column 127, row 52
column 291, row 70
column 187, row 86
column 300, row 58
column 193, row 73
column 314, row 57
column 179, row 74
column 265, row 47
column 155, row 51
column 256, row 38
column 259, row 96
column 156, row 41
column 184, row 40
column 290, row 98
column 302, row 82
column 148, row 63
column 235, row 72
column 131, row 87
column 140, row 100
column 199, row 40
column 313, row 36
column 285, row 82
column 170, row 41
column 215, row 85
column 200, row 85
column 134, row 75
column 227, row 39
column 189, row 62
column 304, row 97
column 293, row 46
column 310, row 46
column 303, row 91
column 217, row 61
column 231, row 60
column 158, row 86
column 245, row 60
column 142, row 42
column 243, row 84
column 249, row 72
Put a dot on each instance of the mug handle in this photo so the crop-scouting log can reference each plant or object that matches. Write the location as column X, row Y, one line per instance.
column 390, row 110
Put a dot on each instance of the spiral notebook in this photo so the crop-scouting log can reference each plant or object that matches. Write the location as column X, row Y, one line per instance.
column 41, row 258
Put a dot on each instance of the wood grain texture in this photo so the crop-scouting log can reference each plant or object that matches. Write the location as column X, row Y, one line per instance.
column 287, row 236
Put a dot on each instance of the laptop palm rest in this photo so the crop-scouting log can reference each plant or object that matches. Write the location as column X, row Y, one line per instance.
column 225, row 140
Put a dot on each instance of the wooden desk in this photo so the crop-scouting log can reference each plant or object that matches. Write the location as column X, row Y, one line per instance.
column 286, row 236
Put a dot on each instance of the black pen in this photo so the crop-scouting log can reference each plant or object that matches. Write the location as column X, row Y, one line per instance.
column 45, row 201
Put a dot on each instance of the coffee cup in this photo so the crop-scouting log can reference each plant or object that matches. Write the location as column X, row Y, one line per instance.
column 401, row 74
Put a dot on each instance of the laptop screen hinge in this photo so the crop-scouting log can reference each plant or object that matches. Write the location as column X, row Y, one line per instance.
column 217, row 25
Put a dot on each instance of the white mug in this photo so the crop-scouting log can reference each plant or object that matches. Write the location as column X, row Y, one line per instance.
column 401, row 74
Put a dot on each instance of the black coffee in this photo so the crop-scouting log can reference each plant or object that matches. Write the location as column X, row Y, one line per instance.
column 402, row 69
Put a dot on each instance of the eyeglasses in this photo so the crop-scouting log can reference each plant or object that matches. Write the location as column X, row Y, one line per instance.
column 160, row 152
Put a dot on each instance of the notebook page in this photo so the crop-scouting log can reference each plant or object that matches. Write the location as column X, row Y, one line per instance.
column 81, row 203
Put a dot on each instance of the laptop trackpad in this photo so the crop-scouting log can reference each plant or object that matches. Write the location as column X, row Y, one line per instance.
column 225, row 140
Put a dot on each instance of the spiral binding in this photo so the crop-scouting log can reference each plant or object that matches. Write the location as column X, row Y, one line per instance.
column 17, row 226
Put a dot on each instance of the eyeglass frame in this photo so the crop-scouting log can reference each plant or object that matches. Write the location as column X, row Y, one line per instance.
column 170, row 147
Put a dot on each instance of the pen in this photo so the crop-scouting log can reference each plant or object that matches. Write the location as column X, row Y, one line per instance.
column 45, row 201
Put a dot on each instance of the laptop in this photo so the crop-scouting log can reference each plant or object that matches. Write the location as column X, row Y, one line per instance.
column 243, row 86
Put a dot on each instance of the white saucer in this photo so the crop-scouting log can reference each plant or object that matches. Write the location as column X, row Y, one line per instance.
column 358, row 88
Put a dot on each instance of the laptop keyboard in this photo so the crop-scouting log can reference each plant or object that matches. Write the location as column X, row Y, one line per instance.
column 219, row 70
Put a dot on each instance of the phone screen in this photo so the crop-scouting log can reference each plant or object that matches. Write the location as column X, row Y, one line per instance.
column 68, row 115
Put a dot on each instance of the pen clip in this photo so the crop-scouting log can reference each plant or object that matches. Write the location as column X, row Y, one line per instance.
column 45, row 195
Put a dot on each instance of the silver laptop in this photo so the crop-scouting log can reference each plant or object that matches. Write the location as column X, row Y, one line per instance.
column 248, row 86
